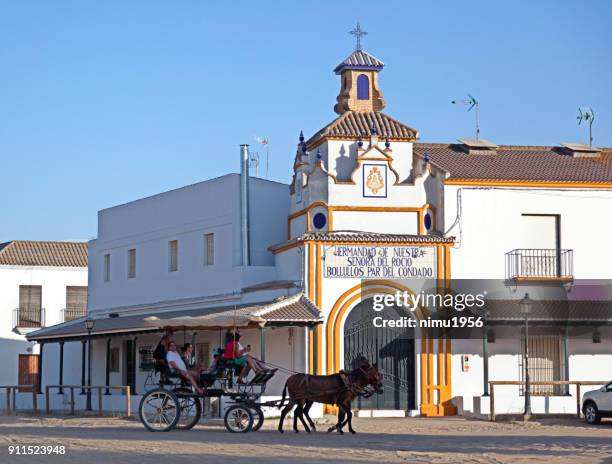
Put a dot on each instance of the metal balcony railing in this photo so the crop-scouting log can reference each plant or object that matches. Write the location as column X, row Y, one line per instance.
column 533, row 264
column 28, row 317
column 69, row 314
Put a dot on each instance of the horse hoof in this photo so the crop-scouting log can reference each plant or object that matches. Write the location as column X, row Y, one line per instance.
column 296, row 431
column 281, row 431
column 353, row 432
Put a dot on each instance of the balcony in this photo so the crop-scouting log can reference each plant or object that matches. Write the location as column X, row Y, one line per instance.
column 70, row 314
column 28, row 317
column 540, row 264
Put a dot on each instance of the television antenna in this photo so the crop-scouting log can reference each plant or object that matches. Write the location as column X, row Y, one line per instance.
column 254, row 162
column 471, row 102
column 265, row 141
column 587, row 115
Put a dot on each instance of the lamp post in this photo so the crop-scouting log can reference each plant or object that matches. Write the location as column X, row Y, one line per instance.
column 526, row 304
column 89, row 325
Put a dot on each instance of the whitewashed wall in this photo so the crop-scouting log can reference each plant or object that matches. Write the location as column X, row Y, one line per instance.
column 186, row 214
column 54, row 281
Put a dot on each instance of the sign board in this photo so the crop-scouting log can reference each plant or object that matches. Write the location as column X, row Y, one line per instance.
column 376, row 262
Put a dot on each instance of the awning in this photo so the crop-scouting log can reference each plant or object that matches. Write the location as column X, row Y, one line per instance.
column 296, row 310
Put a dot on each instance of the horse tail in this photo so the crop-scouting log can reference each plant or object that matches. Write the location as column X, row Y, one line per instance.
column 282, row 401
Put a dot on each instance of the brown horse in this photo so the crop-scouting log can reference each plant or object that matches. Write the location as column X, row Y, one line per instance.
column 338, row 389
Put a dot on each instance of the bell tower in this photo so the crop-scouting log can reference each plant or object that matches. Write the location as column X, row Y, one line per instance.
column 358, row 73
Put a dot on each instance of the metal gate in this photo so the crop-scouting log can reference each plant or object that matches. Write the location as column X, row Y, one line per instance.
column 391, row 348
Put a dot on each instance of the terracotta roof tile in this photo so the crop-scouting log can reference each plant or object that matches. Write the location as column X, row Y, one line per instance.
column 40, row 253
column 353, row 125
column 518, row 163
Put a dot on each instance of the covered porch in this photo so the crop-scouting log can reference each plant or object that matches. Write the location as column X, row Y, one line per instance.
column 122, row 345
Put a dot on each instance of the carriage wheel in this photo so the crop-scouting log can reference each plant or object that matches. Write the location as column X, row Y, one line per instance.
column 238, row 419
column 258, row 418
column 158, row 410
column 191, row 410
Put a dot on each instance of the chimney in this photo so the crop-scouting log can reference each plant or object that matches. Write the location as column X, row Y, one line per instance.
column 244, row 204
column 579, row 150
column 478, row 147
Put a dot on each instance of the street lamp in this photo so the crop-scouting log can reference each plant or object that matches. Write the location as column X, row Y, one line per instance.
column 89, row 325
column 526, row 304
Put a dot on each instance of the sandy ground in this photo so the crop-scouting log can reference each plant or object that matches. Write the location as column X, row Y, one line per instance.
column 411, row 440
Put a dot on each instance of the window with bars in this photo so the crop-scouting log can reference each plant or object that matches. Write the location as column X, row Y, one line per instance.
column 107, row 262
column 209, row 249
column 173, row 255
column 546, row 364
column 146, row 357
column 131, row 263
column 202, row 353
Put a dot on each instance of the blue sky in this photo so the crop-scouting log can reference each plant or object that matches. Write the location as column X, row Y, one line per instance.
column 105, row 102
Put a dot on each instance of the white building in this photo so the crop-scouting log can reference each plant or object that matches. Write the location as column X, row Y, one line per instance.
column 41, row 284
column 367, row 208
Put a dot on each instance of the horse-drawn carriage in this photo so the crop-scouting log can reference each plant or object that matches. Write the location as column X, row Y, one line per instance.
column 171, row 403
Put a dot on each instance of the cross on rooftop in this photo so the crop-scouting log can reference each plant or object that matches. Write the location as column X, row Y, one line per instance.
column 358, row 33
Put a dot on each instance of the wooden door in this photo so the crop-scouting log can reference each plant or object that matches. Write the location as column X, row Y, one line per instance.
column 28, row 371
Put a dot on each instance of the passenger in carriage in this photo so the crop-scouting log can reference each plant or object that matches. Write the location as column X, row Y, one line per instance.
column 176, row 363
column 240, row 357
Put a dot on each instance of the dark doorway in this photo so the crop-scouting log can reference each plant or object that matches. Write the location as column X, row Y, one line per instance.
column 391, row 348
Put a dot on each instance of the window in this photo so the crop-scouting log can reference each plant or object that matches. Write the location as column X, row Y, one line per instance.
column 146, row 357
column 202, row 353
column 113, row 365
column 76, row 302
column 29, row 313
column 545, row 364
column 107, row 268
column 173, row 255
column 131, row 263
column 363, row 87
column 209, row 249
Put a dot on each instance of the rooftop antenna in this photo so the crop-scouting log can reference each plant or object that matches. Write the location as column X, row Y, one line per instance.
column 471, row 102
column 358, row 33
column 265, row 141
column 587, row 115
column 254, row 162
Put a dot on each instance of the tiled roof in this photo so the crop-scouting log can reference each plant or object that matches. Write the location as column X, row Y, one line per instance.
column 293, row 310
column 353, row 125
column 360, row 60
column 517, row 163
column 296, row 308
column 38, row 253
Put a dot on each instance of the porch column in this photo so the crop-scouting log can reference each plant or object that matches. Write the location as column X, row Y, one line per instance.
column 61, row 368
column 83, row 366
column 135, row 365
column 107, row 377
column 566, row 358
column 40, row 368
column 262, row 343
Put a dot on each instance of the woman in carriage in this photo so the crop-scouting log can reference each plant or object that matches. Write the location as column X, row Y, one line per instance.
column 239, row 356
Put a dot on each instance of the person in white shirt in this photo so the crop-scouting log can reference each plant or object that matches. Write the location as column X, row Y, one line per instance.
column 175, row 361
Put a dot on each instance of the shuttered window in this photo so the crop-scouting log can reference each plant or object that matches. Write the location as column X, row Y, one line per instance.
column 209, row 249
column 76, row 302
column 173, row 255
column 132, row 263
column 29, row 313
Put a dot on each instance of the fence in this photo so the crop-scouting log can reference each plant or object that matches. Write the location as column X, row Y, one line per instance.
column 578, row 384
column 11, row 394
column 99, row 388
